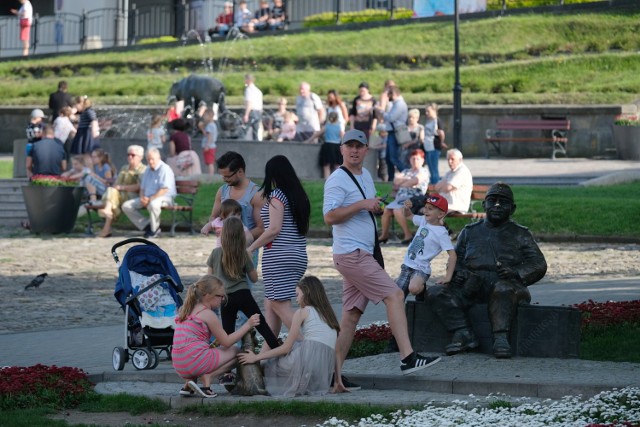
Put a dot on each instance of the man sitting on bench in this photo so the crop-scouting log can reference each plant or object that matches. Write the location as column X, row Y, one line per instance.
column 457, row 184
column 157, row 188
column 496, row 260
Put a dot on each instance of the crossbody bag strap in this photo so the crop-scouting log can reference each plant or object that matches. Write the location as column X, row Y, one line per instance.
column 375, row 225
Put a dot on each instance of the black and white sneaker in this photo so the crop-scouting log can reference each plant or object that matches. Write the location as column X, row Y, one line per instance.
column 350, row 386
column 418, row 362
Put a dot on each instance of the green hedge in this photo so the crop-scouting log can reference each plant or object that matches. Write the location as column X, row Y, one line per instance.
column 368, row 15
column 515, row 4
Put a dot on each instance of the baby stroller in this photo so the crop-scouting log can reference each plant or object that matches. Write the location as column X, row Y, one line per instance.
column 147, row 289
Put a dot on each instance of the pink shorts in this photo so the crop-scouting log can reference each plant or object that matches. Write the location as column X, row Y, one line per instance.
column 209, row 156
column 25, row 29
column 363, row 280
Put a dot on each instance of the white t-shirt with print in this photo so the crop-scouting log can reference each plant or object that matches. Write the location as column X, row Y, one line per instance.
column 428, row 242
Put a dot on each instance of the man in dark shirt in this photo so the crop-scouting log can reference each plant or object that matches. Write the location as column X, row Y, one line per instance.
column 261, row 16
column 59, row 99
column 47, row 156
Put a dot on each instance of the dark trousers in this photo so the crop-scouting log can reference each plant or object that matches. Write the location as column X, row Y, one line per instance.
column 243, row 301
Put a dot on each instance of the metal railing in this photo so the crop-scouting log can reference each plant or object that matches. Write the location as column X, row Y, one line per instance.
column 109, row 27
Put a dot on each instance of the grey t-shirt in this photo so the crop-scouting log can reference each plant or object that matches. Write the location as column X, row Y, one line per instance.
column 230, row 285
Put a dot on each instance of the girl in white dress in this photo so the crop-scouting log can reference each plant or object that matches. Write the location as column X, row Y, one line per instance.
column 305, row 363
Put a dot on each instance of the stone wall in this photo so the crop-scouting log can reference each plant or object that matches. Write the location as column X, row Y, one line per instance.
column 303, row 157
column 591, row 132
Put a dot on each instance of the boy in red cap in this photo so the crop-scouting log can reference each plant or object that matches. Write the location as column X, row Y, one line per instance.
column 430, row 239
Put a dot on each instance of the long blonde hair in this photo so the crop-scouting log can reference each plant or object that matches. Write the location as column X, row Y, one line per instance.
column 315, row 296
column 206, row 285
column 234, row 248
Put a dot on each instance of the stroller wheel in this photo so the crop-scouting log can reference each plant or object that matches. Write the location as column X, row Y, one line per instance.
column 155, row 359
column 119, row 358
column 141, row 359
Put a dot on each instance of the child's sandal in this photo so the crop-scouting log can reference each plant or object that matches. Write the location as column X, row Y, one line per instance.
column 186, row 391
column 202, row 391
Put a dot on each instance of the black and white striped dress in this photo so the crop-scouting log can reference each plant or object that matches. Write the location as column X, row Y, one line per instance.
column 284, row 261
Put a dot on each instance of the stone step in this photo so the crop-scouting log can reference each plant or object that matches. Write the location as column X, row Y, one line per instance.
column 11, row 198
column 12, row 208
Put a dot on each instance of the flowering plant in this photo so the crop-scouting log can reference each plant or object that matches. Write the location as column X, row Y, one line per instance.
column 627, row 120
column 370, row 340
column 40, row 385
column 610, row 313
column 53, row 181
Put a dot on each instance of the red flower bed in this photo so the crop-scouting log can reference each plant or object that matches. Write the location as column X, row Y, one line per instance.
column 602, row 314
column 40, row 385
column 374, row 333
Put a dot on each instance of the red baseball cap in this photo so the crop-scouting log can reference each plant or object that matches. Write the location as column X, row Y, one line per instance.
column 438, row 201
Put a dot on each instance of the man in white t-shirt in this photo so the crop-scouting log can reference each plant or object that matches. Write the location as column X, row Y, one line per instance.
column 252, row 107
column 310, row 111
column 349, row 204
column 457, row 184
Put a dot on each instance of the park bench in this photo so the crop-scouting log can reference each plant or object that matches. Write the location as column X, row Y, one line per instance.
column 181, row 210
column 182, row 207
column 536, row 331
column 505, row 129
column 478, row 193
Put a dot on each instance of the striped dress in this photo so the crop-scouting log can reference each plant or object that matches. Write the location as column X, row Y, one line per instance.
column 190, row 353
column 284, row 261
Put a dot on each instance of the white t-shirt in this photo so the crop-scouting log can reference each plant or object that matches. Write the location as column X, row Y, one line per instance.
column 26, row 11
column 253, row 95
column 210, row 130
column 307, row 112
column 428, row 242
column 62, row 127
column 357, row 232
column 459, row 198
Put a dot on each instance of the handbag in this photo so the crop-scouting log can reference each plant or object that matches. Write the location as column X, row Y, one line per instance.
column 402, row 134
column 184, row 160
column 375, row 141
column 377, row 251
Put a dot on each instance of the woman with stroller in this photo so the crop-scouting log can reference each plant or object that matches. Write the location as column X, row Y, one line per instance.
column 195, row 325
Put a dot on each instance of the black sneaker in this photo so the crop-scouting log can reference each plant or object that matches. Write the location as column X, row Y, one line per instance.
column 350, row 386
column 418, row 362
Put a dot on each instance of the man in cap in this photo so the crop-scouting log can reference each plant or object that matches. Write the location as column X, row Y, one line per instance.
column 349, row 204
column 496, row 260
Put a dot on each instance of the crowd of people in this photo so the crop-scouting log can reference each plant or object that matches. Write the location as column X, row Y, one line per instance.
column 267, row 17
column 274, row 218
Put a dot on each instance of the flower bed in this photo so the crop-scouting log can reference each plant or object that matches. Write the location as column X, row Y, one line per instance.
column 39, row 385
column 609, row 408
column 603, row 314
column 53, row 181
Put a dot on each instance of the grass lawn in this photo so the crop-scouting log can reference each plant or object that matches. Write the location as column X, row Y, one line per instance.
column 551, row 211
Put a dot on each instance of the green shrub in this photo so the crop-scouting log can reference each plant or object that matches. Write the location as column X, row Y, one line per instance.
column 66, row 72
column 367, row 15
column 514, row 4
column 86, row 71
column 163, row 39
column 109, row 69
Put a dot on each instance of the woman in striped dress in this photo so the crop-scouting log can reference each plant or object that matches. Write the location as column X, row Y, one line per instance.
column 195, row 325
column 285, row 215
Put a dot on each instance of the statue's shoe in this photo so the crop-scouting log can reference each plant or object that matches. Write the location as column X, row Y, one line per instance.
column 501, row 347
column 463, row 340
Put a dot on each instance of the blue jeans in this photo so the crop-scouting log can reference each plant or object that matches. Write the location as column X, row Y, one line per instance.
column 432, row 164
column 393, row 156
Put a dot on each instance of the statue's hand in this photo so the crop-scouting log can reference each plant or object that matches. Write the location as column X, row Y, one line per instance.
column 507, row 273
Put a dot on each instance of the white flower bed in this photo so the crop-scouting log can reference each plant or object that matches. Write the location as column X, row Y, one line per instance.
column 610, row 408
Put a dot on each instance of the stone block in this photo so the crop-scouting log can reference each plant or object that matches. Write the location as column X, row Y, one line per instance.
column 537, row 331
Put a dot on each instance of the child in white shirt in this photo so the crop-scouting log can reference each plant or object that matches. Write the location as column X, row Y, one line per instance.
column 430, row 239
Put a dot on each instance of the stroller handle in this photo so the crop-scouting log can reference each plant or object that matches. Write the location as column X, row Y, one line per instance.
column 126, row 242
